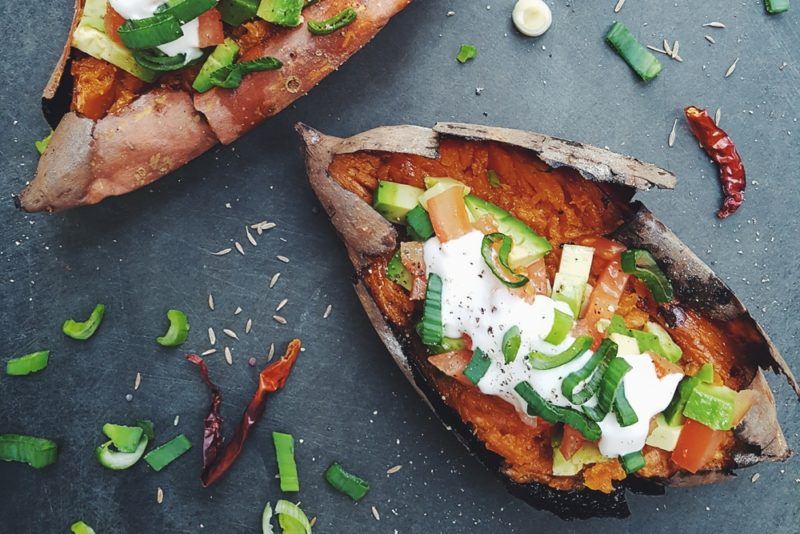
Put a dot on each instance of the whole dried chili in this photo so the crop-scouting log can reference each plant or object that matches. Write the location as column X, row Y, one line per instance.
column 216, row 460
column 721, row 148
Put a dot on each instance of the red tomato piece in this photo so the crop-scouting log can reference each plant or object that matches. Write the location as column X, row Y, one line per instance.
column 112, row 21
column 448, row 214
column 210, row 28
column 453, row 364
column 697, row 445
column 571, row 442
column 604, row 248
column 606, row 294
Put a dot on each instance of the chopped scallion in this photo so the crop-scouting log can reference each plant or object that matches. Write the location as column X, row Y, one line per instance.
column 347, row 483
column 287, row 467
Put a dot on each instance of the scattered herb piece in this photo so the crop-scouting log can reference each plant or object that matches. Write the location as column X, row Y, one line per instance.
column 178, row 329
column 721, row 148
column 494, row 180
column 466, row 53
column 165, row 454
column 291, row 518
column 266, row 517
column 27, row 364
column 34, row 451
column 287, row 467
column 124, row 438
column 41, row 146
column 230, row 76
column 347, row 483
column 79, row 527
column 635, row 55
column 336, row 22
column 774, row 7
column 86, row 329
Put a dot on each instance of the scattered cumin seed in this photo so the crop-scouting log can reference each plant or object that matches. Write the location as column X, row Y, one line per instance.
column 671, row 139
column 679, row 59
column 279, row 319
column 732, row 67
column 667, row 48
column 619, row 5
column 230, row 333
column 755, row 477
column 281, row 304
column 655, row 49
column 209, row 352
column 710, row 39
column 271, row 352
column 248, row 326
column 221, row 252
column 717, row 116
column 393, row 470
column 177, row 419
column 239, row 247
column 328, row 311
column 137, row 381
column 313, row 521
column 250, row 237
column 211, row 301
column 228, row 356
column 159, row 495
column 237, row 311
column 284, row 259
column 274, row 280
column 675, row 47
column 212, row 337
column 714, row 24
column 375, row 514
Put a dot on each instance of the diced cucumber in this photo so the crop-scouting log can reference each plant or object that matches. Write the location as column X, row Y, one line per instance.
column 222, row 56
column 569, row 289
column 397, row 272
column 394, row 201
column 669, row 349
column 576, row 260
column 528, row 245
column 635, row 55
column 664, row 436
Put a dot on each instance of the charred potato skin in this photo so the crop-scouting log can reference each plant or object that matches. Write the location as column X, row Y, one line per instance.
column 758, row 436
column 218, row 116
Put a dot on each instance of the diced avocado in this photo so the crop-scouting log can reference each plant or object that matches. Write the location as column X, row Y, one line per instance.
column 282, row 12
column 397, row 272
column 394, row 201
column 673, row 414
column 576, row 260
column 235, row 12
column 706, row 373
column 419, row 224
column 528, row 245
column 569, row 289
column 711, row 405
column 617, row 326
column 90, row 37
column 587, row 454
column 437, row 186
column 626, row 345
column 448, row 344
column 222, row 56
column 664, row 436
column 669, row 349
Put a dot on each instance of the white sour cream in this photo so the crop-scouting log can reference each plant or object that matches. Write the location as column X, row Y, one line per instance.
column 188, row 43
column 476, row 303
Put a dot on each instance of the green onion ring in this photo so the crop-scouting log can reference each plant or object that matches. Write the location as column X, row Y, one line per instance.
column 511, row 342
column 498, row 263
column 336, row 22
column 557, row 414
column 626, row 416
column 595, row 367
column 641, row 264
column 612, row 380
column 543, row 362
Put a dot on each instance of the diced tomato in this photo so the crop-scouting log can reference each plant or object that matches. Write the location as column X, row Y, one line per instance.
column 112, row 21
column 697, row 445
column 606, row 294
column 419, row 287
column 604, row 248
column 210, row 28
column 453, row 364
column 537, row 274
column 486, row 224
column 571, row 442
column 449, row 214
column 664, row 367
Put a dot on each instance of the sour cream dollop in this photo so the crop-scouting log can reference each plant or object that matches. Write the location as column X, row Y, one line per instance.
column 476, row 303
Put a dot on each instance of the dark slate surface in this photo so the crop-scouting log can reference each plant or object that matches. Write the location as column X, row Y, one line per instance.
column 346, row 401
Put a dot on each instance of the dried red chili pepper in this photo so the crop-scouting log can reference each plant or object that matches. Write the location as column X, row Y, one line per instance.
column 212, row 433
column 271, row 379
column 721, row 148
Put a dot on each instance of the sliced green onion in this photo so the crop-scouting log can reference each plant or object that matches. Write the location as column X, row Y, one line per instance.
column 235, row 12
column 185, row 10
column 41, row 145
column 156, row 60
column 632, row 462
column 27, row 364
column 419, row 224
column 498, row 260
column 230, row 76
column 34, row 451
column 165, row 454
column 290, row 516
column 150, row 32
column 612, row 381
column 511, row 342
column 336, row 22
column 776, row 6
column 287, row 468
column 432, row 329
column 124, row 438
column 281, row 12
column 466, row 53
column 562, row 324
column 266, row 518
column 626, row 416
column 643, row 266
column 147, row 427
column 84, row 330
column 79, row 527
column 260, row 64
column 595, row 367
column 347, row 483
column 477, row 366
column 492, row 178
column 635, row 55
column 557, row 414
column 118, row 461
column 178, row 329
column 542, row 361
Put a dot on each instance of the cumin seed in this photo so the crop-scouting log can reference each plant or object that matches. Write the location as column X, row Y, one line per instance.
column 393, row 470
column 328, row 311
column 375, row 514
column 654, row 49
column 313, row 521
column 671, row 139
column 248, row 326
column 221, row 252
column 228, row 356
column 230, row 333
column 279, row 319
column 710, row 39
column 667, row 48
column 209, row 352
column 212, row 337
column 211, row 301
column 714, row 24
column 717, row 116
column 159, row 495
column 274, row 280
column 732, row 67
column 177, row 419
column 239, row 247
column 271, row 352
column 284, row 259
column 281, row 304
column 250, row 237
column 675, row 47
column 137, row 381
column 237, row 311
column 619, row 5
column 755, row 477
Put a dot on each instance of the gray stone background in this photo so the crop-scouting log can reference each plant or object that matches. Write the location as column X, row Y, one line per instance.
column 149, row 251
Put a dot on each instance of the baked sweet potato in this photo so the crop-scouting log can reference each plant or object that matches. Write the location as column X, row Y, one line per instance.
column 567, row 192
column 104, row 144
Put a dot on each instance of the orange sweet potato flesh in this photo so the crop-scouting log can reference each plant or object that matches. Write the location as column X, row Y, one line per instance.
column 562, row 206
